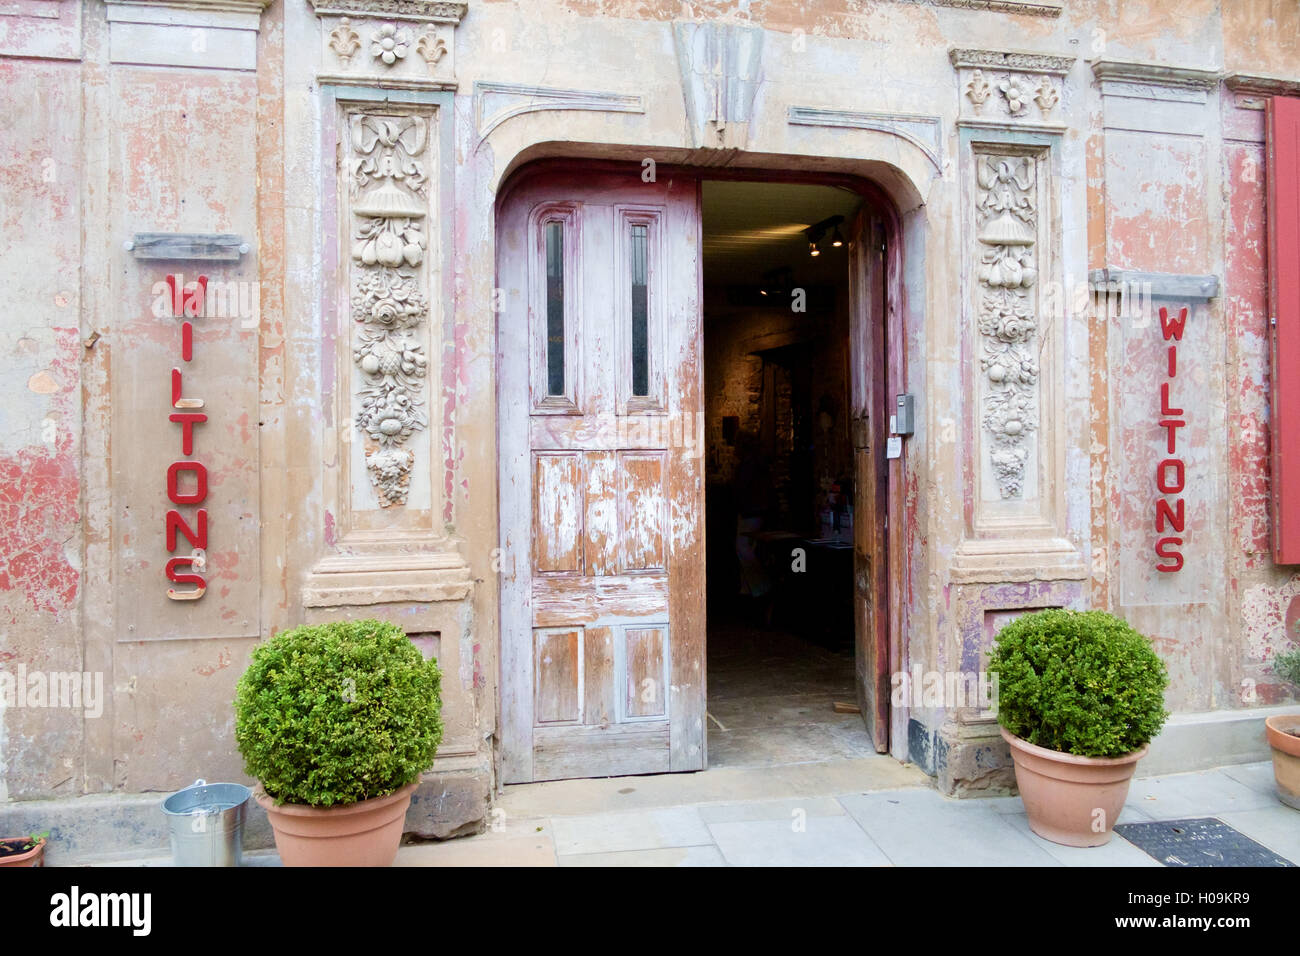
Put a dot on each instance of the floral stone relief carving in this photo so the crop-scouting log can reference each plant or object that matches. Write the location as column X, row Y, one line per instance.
column 978, row 89
column 345, row 41
column 1007, row 271
column 1002, row 85
column 389, row 43
column 432, row 48
column 389, row 202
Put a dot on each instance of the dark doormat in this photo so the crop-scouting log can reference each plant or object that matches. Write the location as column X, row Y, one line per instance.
column 1198, row 841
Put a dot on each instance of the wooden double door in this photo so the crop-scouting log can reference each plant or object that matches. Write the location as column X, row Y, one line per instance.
column 600, row 411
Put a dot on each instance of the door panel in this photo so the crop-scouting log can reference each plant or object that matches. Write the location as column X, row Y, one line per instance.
column 602, row 594
column 557, row 530
column 871, row 486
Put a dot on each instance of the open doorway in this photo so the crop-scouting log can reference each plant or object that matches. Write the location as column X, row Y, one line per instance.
column 608, row 441
column 780, row 474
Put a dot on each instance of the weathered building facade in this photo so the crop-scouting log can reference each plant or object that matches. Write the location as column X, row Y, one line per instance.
column 335, row 433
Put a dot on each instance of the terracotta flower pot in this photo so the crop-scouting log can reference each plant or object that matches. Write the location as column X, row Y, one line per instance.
column 1071, row 800
column 1281, row 732
column 354, row 834
column 33, row 857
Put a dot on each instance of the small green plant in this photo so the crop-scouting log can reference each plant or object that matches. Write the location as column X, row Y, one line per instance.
column 338, row 713
column 1287, row 666
column 19, row 845
column 1078, row 682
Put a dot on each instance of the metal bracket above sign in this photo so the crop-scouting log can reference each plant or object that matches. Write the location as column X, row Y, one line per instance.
column 1164, row 285
column 187, row 246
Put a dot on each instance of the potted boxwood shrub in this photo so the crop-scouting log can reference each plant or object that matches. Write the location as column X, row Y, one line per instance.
column 24, row 851
column 1283, row 733
column 337, row 721
column 1080, row 695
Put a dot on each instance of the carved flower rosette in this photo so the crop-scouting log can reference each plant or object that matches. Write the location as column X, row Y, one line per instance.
column 1007, row 271
column 389, row 202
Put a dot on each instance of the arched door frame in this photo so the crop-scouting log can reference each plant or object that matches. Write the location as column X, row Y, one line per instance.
column 890, row 585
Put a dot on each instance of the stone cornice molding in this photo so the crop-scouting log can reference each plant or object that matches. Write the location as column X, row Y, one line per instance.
column 1015, row 61
column 424, row 11
column 200, row 6
column 1261, row 84
column 1033, row 8
column 1158, row 74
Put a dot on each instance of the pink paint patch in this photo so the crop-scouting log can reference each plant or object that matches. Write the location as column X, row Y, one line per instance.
column 38, row 511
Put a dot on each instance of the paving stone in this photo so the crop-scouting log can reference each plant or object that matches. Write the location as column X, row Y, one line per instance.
column 822, row 841
column 1118, row 852
column 664, row 856
column 922, row 828
column 482, row 850
column 1257, row 776
column 1207, row 793
column 771, row 810
column 634, row 830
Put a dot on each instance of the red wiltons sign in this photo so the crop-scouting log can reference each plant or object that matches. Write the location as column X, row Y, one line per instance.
column 187, row 303
column 1171, row 473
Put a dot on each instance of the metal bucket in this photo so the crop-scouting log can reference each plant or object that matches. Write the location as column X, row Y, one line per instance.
column 207, row 823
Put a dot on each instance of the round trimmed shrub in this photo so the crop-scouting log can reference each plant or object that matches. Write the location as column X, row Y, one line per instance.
column 1078, row 682
column 338, row 713
column 1287, row 666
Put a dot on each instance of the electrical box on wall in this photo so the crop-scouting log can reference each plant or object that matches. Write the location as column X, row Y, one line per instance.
column 904, row 416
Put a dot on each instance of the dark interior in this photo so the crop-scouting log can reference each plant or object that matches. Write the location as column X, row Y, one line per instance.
column 779, row 472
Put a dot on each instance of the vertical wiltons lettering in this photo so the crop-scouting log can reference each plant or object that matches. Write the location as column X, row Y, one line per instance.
column 1171, row 473
column 187, row 477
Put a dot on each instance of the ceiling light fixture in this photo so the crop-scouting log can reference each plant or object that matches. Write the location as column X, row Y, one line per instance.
column 817, row 231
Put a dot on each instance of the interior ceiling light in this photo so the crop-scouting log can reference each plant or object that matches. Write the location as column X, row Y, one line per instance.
column 817, row 231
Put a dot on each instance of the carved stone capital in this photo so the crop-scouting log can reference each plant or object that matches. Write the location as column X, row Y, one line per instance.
column 1010, row 89
column 394, row 44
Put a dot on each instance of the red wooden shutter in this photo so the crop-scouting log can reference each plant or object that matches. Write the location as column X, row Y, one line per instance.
column 1284, row 307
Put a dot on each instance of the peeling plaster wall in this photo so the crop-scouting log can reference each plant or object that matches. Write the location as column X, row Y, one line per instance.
column 97, row 148
column 40, row 420
column 1262, row 600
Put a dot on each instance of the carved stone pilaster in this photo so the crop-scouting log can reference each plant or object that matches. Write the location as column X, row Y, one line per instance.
column 1006, row 270
column 388, row 202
